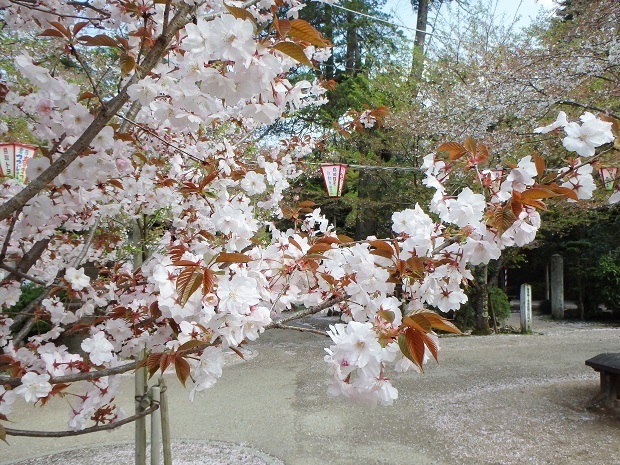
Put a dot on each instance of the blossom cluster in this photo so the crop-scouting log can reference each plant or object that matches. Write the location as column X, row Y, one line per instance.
column 159, row 236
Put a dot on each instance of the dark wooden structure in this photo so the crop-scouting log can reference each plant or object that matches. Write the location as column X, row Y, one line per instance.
column 608, row 365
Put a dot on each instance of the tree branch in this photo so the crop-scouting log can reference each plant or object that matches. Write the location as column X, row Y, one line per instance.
column 101, row 120
column 303, row 330
column 92, row 429
column 306, row 312
column 587, row 107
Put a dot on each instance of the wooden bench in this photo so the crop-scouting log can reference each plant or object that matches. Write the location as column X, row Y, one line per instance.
column 608, row 365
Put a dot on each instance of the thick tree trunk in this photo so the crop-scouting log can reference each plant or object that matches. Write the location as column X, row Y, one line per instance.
column 417, row 59
column 353, row 47
column 480, row 273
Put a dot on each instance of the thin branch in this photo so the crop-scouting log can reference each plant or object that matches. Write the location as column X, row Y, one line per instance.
column 87, row 244
column 303, row 313
column 19, row 337
column 105, row 114
column 8, row 236
column 159, row 138
column 28, row 260
column 100, row 121
column 92, row 429
column 587, row 107
column 303, row 330
column 103, row 13
column 19, row 274
column 29, row 4
column 88, row 75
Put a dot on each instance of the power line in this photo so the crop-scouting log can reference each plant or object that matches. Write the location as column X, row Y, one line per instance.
column 373, row 167
column 376, row 18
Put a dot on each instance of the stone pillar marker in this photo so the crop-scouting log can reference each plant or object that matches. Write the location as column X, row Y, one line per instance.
column 525, row 306
column 557, row 287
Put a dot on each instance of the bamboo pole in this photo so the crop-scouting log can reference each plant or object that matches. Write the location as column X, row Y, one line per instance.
column 156, row 427
column 165, row 423
column 140, row 425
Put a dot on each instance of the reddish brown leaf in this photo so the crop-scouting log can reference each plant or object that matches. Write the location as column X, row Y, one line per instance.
column 415, row 344
column 207, row 281
column 329, row 240
column 454, row 150
column 319, row 247
column 78, row 27
column 52, row 33
column 502, row 218
column 438, row 322
column 182, row 368
column 295, row 51
column 239, row 13
column 165, row 361
column 176, row 252
column 192, row 344
column 237, row 351
column 387, row 315
column 538, row 192
column 470, row 145
column 86, row 95
column 328, row 278
column 382, row 253
column 381, row 245
column 283, row 26
column 565, row 191
column 3, row 434
column 302, row 30
column 306, row 204
column 185, row 263
column 116, row 183
column 430, row 343
column 540, row 165
column 345, row 239
column 128, row 63
column 517, row 208
column 100, row 40
column 61, row 28
column 294, row 242
column 423, row 322
column 225, row 257
column 417, row 266
column 535, row 204
column 188, row 282
column 482, row 154
column 124, row 43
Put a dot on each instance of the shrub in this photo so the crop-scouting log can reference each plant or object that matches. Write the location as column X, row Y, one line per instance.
column 500, row 303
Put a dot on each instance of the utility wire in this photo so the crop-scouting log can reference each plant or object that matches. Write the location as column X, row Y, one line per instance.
column 376, row 18
column 372, row 167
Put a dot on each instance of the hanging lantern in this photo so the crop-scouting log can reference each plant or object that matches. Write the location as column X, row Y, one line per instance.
column 333, row 177
column 608, row 175
column 14, row 158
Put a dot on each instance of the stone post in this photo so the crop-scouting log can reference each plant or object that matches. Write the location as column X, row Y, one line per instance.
column 525, row 305
column 557, row 287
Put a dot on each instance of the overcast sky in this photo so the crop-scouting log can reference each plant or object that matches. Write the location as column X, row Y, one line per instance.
column 526, row 9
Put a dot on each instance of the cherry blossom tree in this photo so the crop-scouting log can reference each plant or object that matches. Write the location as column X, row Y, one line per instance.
column 154, row 185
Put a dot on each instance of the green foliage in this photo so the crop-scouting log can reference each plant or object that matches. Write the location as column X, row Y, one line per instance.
column 606, row 276
column 500, row 303
column 29, row 293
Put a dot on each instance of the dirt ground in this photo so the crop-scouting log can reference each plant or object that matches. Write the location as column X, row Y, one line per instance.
column 500, row 399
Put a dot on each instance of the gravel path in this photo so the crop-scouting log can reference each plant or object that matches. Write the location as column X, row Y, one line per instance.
column 502, row 399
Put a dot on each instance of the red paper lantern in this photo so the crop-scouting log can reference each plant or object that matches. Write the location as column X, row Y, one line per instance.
column 14, row 159
column 608, row 175
column 333, row 177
